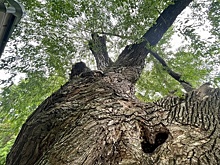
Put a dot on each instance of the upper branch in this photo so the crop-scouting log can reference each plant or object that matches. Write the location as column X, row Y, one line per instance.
column 98, row 47
column 164, row 21
column 135, row 54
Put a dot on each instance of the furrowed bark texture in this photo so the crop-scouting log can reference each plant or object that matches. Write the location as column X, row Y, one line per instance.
column 95, row 118
column 99, row 49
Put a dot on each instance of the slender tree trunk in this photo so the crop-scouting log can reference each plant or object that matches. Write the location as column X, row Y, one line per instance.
column 95, row 117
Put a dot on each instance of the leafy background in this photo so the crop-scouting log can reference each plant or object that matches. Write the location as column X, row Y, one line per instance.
column 54, row 34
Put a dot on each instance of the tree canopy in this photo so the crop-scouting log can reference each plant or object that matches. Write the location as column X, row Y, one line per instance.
column 55, row 34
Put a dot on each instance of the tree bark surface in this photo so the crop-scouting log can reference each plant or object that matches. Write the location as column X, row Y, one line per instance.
column 95, row 118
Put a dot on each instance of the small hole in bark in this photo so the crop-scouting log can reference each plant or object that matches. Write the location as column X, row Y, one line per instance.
column 148, row 147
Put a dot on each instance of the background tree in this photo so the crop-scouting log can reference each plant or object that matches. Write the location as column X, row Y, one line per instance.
column 48, row 68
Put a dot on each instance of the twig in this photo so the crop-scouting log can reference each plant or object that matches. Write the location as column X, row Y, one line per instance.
column 186, row 85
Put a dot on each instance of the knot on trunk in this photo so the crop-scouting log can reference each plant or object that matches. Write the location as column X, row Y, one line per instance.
column 77, row 69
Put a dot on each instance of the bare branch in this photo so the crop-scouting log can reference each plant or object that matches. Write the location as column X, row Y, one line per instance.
column 135, row 54
column 98, row 47
column 164, row 21
column 186, row 85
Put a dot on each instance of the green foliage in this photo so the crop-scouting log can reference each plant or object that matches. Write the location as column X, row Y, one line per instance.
column 156, row 83
column 55, row 33
column 18, row 102
column 214, row 17
column 68, row 24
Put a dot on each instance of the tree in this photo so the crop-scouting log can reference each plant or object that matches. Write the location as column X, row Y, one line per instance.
column 95, row 117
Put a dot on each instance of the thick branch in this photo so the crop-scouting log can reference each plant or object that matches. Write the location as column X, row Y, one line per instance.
column 164, row 21
column 135, row 54
column 98, row 47
column 186, row 85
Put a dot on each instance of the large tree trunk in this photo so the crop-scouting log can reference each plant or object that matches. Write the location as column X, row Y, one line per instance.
column 95, row 118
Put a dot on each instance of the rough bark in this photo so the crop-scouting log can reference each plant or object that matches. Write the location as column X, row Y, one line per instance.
column 99, row 49
column 95, row 118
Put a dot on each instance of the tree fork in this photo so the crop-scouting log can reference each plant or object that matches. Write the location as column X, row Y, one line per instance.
column 134, row 55
column 96, row 119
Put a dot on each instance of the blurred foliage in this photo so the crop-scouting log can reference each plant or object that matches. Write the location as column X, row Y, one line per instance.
column 196, row 58
column 55, row 33
column 18, row 102
column 214, row 17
